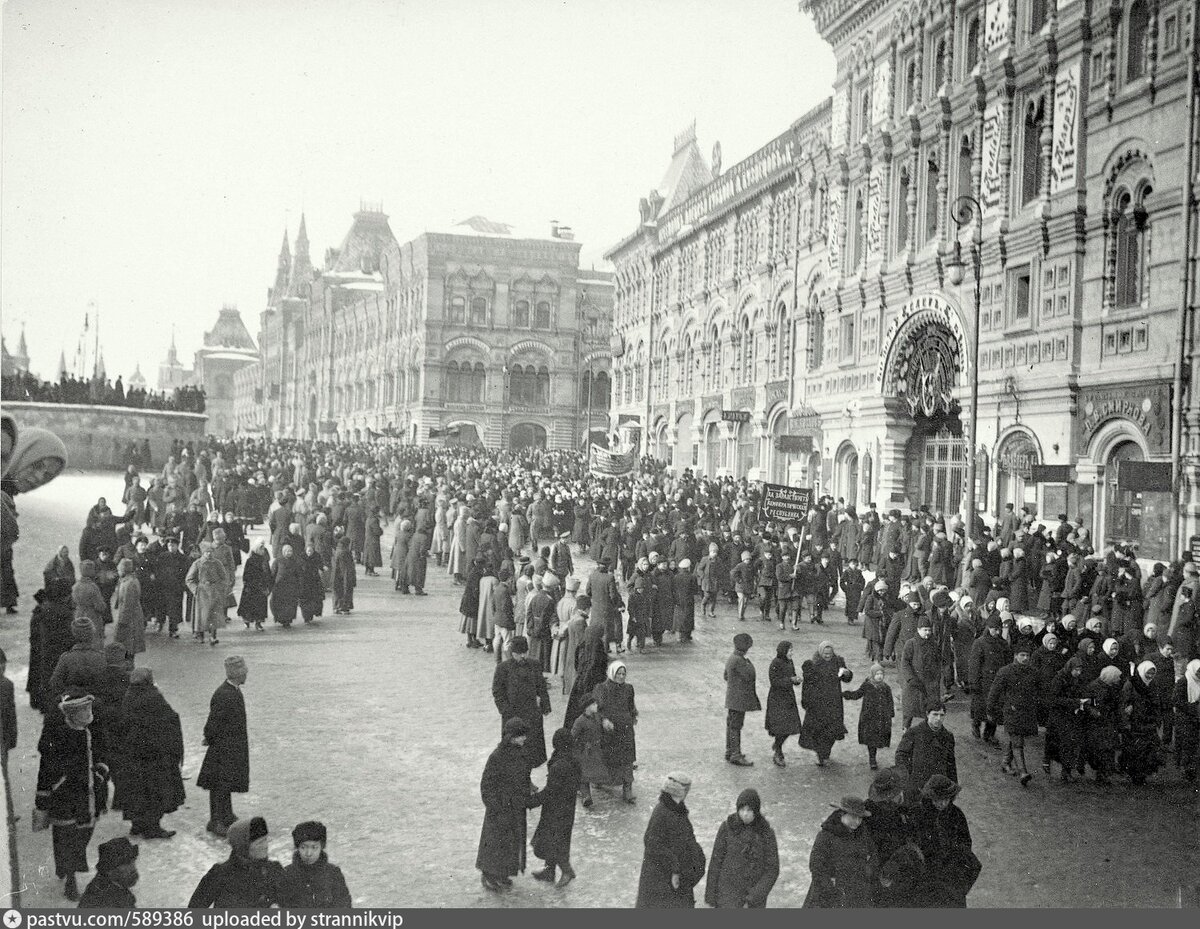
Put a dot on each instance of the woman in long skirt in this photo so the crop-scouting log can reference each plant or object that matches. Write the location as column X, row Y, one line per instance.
column 615, row 701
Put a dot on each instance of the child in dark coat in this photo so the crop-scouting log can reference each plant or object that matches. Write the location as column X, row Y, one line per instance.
column 552, row 839
column 311, row 881
column 878, row 709
column 853, row 584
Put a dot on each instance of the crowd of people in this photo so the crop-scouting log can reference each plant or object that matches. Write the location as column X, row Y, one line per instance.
column 1034, row 627
column 101, row 391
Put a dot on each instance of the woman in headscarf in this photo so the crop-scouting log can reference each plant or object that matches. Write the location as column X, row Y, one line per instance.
column 1067, row 704
column 878, row 711
column 783, row 716
column 50, row 637
column 1139, row 723
column 152, row 755
column 312, row 587
column 344, row 577
column 257, row 581
column 485, row 620
column 458, row 565
column 127, row 610
column 552, row 838
column 745, row 859
column 591, row 669
column 1102, row 734
column 615, row 702
column 372, row 556
column 59, row 566
column 1186, row 700
column 821, row 697
column 439, row 542
column 285, row 587
column 248, row 878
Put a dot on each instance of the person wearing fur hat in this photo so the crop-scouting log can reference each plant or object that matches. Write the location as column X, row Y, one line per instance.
column 507, row 794
column 116, row 872
column 87, row 599
column 920, row 671
column 878, row 710
column 989, row 654
column 72, row 784
column 927, row 748
column 312, row 881
column 673, row 861
column 740, row 698
column 247, row 878
column 226, row 767
column 745, row 859
column 844, row 862
column 552, row 838
column 207, row 582
column 1013, row 700
column 519, row 690
column 149, row 780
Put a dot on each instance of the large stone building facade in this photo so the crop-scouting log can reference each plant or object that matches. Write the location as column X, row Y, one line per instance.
column 473, row 335
column 809, row 290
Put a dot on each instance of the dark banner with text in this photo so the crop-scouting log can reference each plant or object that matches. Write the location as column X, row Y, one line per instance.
column 785, row 504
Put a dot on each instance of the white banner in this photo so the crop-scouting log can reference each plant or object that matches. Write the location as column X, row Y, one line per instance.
column 1063, row 159
column 603, row 463
column 989, row 185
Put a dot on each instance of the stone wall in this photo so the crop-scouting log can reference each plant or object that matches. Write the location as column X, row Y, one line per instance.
column 98, row 436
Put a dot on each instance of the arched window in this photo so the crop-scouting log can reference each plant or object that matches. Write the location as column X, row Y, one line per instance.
column 453, row 382
column 1131, row 249
column 1031, row 151
column 458, row 311
column 747, row 352
column 401, row 388
column 689, row 367
column 602, row 390
column 939, row 67
column 1123, row 513
column 1137, row 33
column 932, row 176
column 966, row 155
column 910, row 84
column 521, row 314
column 857, row 234
column 972, row 44
column 783, row 336
column 639, row 374
column 543, row 315
column 716, row 373
column 585, row 390
column 542, row 385
column 816, row 335
column 864, row 112
column 902, row 211
column 1037, row 16
column 478, row 311
column 664, row 371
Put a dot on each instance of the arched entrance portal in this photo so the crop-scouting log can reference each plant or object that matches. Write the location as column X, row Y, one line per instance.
column 1122, row 508
column 937, row 464
column 847, row 475
column 1015, row 459
column 527, row 435
column 779, row 455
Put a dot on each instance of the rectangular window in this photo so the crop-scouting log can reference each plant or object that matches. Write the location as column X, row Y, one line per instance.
column 846, row 339
column 1141, row 336
column 1020, row 282
column 1170, row 33
column 1124, row 341
column 1096, row 77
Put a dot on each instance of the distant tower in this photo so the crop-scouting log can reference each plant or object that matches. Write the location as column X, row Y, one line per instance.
column 301, row 271
column 171, row 373
column 138, row 379
column 283, row 273
column 100, row 374
column 21, row 358
column 62, row 365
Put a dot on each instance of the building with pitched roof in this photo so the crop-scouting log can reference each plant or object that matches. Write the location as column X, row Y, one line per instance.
column 477, row 333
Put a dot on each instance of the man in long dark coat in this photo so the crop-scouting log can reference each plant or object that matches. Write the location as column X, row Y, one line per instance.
column 673, row 861
column 226, row 767
column 519, row 690
column 152, row 754
column 507, row 793
column 606, row 601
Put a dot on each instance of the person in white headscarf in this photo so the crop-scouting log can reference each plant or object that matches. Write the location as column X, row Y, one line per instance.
column 1139, row 724
column 1186, row 701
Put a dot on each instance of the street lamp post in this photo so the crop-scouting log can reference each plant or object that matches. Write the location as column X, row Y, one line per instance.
column 964, row 210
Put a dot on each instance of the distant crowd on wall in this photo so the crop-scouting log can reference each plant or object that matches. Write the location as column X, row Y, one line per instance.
column 70, row 389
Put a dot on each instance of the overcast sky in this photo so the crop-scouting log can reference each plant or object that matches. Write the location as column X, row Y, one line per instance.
column 154, row 151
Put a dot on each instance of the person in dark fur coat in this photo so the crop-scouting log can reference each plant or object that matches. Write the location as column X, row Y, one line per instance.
column 821, row 698
column 257, row 581
column 507, row 794
column 945, row 840
column 878, row 711
column 552, row 838
column 745, row 859
column 151, row 785
column 673, row 861
column 312, row 881
column 783, row 715
column 844, row 861
column 519, row 690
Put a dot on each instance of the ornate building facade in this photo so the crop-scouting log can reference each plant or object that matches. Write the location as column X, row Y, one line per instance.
column 474, row 334
column 796, row 318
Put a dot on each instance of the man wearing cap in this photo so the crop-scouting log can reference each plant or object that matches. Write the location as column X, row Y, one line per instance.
column 226, row 767
column 920, row 672
column 740, row 698
column 171, row 573
column 903, row 625
column 116, row 872
column 507, row 793
column 927, row 748
column 673, row 861
column 563, row 611
column 560, row 556
column 1013, row 700
column 519, row 691
column 83, row 666
column 989, row 654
